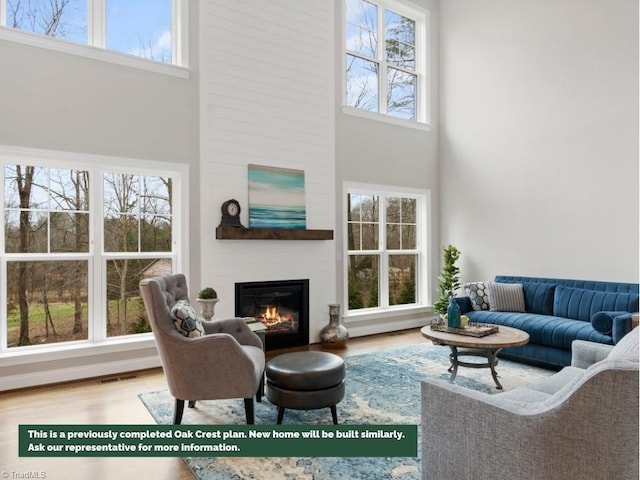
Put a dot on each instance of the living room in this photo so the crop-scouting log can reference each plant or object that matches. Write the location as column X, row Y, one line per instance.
column 526, row 153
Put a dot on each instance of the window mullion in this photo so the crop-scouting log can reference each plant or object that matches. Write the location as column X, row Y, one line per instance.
column 382, row 63
column 362, row 56
column 97, row 267
column 3, row 12
column 4, row 322
column 400, row 68
column 96, row 23
column 420, row 70
column 176, row 14
column 139, row 212
column 179, row 37
column 383, row 293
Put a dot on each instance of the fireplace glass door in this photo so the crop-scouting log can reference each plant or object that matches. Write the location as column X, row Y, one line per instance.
column 282, row 306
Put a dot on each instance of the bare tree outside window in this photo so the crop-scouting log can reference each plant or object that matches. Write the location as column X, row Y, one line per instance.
column 45, row 212
column 137, row 219
column 371, row 70
column 47, row 243
column 65, row 19
column 363, row 235
column 401, row 230
column 374, row 234
column 61, row 286
column 158, row 50
column 400, row 43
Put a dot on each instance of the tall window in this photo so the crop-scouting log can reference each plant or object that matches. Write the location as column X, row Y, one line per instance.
column 143, row 28
column 137, row 227
column 385, row 59
column 46, row 233
column 386, row 253
column 59, row 285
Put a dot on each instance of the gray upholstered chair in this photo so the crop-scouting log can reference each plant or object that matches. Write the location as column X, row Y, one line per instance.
column 227, row 362
column 581, row 422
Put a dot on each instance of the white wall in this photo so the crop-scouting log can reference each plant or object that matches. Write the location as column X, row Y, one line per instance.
column 60, row 101
column 267, row 98
column 539, row 137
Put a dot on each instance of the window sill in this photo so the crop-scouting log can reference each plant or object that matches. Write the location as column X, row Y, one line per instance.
column 48, row 353
column 380, row 117
column 94, row 53
column 376, row 322
column 377, row 314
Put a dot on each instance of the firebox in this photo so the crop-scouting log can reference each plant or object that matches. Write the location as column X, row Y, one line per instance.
column 281, row 305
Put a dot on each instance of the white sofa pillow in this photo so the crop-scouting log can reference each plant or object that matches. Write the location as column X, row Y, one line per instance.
column 186, row 320
column 506, row 297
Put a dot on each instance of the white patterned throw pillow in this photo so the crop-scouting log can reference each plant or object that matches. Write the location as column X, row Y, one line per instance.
column 186, row 320
column 478, row 294
column 506, row 297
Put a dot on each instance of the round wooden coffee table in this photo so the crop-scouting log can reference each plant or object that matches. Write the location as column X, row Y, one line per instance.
column 487, row 347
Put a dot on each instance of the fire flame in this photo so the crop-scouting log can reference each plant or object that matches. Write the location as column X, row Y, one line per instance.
column 272, row 318
column 271, row 313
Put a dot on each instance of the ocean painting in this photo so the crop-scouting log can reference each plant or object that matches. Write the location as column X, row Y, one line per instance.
column 276, row 198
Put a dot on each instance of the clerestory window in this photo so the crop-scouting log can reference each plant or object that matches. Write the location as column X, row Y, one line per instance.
column 150, row 29
column 386, row 260
column 386, row 59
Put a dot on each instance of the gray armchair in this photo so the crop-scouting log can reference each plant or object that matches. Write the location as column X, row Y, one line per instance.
column 227, row 362
column 581, row 422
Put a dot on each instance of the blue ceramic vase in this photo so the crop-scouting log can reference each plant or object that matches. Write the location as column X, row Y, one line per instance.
column 453, row 314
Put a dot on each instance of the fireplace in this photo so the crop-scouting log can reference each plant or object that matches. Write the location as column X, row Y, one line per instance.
column 281, row 305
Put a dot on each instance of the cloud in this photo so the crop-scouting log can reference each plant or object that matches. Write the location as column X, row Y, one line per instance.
column 158, row 49
column 165, row 40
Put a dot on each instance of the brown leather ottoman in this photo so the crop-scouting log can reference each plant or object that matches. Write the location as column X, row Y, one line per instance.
column 305, row 381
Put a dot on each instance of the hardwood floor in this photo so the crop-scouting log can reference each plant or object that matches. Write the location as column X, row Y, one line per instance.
column 114, row 400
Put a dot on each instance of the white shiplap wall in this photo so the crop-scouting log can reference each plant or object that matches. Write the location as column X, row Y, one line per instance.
column 267, row 98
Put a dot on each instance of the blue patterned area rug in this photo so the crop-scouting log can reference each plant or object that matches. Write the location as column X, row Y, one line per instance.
column 381, row 388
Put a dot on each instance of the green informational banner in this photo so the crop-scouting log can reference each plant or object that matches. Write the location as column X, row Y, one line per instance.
column 218, row 440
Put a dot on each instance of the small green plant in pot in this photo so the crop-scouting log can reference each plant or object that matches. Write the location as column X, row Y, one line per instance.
column 207, row 298
column 449, row 278
column 207, row 293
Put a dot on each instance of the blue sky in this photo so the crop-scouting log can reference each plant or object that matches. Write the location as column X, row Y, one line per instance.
column 133, row 25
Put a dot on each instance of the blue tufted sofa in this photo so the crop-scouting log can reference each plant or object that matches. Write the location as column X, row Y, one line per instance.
column 559, row 311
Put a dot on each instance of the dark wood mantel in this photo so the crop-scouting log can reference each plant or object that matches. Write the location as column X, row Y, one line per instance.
column 234, row 233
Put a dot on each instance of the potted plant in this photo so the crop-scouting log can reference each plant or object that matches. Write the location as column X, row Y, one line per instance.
column 449, row 278
column 207, row 299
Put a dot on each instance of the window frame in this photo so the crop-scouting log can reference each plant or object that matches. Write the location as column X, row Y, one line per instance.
column 422, row 26
column 96, row 40
column 423, row 219
column 97, row 257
